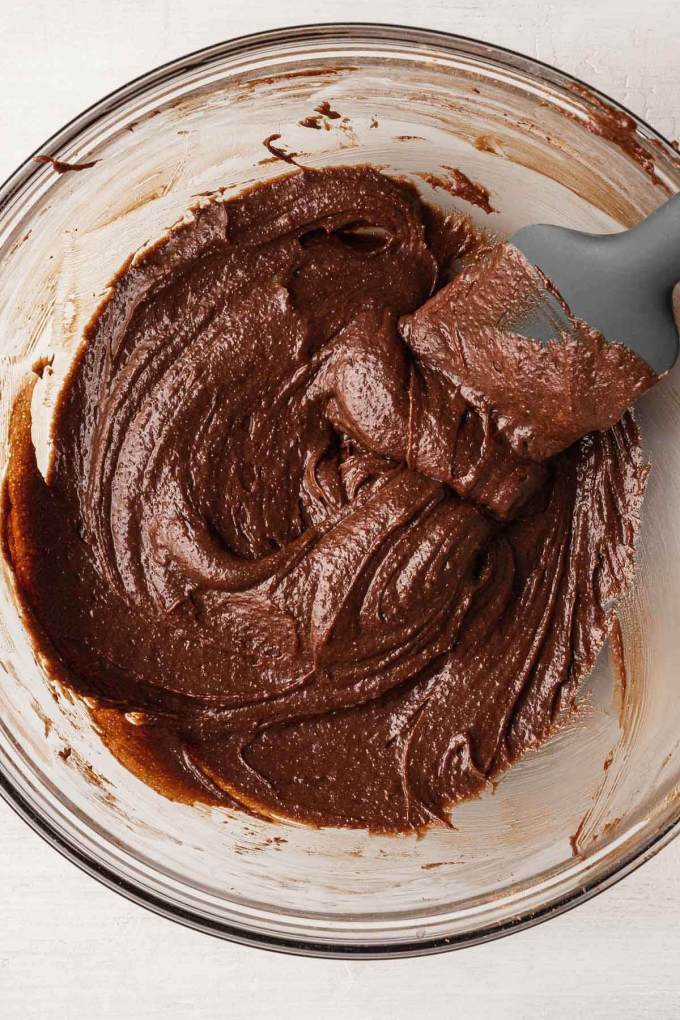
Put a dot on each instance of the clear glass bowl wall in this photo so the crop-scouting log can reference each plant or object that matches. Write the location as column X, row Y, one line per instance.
column 559, row 825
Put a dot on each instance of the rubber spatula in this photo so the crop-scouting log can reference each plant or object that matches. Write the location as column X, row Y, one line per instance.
column 621, row 284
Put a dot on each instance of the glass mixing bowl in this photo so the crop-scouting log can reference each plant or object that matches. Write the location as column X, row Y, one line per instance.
column 603, row 794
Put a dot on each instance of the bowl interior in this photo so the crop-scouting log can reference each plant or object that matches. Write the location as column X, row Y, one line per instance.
column 569, row 815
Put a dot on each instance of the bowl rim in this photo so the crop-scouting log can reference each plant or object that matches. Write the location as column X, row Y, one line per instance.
column 635, row 856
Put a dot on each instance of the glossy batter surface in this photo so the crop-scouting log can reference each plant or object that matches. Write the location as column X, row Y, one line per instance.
column 325, row 537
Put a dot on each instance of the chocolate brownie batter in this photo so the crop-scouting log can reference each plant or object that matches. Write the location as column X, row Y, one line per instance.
column 322, row 535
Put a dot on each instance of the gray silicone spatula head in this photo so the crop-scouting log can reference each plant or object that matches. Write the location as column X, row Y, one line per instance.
column 621, row 284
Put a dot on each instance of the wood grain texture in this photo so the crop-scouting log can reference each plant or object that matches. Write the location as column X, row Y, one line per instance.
column 70, row 948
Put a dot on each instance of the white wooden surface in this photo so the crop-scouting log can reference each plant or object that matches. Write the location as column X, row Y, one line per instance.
column 72, row 950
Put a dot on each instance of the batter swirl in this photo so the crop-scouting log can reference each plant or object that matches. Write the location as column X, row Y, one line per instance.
column 339, row 539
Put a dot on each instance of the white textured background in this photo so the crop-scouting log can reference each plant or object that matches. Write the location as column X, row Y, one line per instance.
column 72, row 950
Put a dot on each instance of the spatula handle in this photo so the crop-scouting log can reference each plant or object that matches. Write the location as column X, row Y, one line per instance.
column 656, row 245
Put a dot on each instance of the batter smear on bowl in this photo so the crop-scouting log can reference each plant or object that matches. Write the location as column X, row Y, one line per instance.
column 322, row 535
